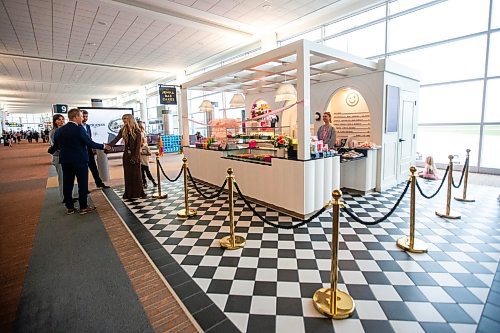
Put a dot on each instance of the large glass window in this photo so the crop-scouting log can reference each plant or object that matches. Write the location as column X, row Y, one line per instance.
column 402, row 5
column 355, row 21
column 441, row 141
column 495, row 15
column 438, row 22
column 460, row 60
column 494, row 58
column 492, row 110
column 365, row 42
column 491, row 141
column 451, row 103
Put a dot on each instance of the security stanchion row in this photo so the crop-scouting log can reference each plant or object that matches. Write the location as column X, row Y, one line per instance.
column 409, row 243
column 186, row 212
column 158, row 195
column 466, row 168
column 331, row 302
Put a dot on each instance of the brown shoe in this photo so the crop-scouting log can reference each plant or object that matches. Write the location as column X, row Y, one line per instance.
column 86, row 210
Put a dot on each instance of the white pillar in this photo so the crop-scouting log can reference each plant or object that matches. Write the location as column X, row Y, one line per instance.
column 303, row 109
column 183, row 117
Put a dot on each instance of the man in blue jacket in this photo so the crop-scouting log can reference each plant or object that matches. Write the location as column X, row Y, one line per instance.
column 73, row 142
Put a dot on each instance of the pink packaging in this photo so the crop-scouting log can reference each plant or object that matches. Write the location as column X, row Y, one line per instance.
column 252, row 144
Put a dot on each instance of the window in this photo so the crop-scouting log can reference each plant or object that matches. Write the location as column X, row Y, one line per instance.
column 494, row 58
column 441, row 141
column 491, row 142
column 495, row 15
column 460, row 60
column 314, row 36
column 402, row 5
column 492, row 108
column 439, row 104
column 439, row 22
column 365, row 42
column 355, row 21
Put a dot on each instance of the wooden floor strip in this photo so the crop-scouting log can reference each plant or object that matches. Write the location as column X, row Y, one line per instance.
column 164, row 310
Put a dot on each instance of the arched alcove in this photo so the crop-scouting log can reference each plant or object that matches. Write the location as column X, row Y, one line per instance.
column 350, row 115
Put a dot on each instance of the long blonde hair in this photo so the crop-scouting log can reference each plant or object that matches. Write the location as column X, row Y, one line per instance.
column 129, row 127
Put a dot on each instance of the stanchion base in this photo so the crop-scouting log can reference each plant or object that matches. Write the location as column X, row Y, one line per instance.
column 418, row 245
column 239, row 242
column 183, row 214
column 449, row 216
column 158, row 196
column 345, row 303
column 465, row 200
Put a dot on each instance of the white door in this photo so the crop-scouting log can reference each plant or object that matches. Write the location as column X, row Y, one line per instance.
column 407, row 135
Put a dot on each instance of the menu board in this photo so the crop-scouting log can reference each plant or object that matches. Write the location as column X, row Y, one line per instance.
column 168, row 95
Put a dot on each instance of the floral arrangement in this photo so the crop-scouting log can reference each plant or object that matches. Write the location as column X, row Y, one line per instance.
column 282, row 141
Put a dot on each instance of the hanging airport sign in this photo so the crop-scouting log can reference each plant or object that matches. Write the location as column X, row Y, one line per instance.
column 168, row 95
column 60, row 108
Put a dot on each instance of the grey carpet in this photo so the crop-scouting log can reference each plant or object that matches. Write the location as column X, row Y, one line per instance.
column 75, row 281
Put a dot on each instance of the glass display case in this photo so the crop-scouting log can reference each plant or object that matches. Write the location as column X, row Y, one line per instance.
column 255, row 144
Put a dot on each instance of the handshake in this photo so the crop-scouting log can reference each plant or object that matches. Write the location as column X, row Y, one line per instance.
column 107, row 147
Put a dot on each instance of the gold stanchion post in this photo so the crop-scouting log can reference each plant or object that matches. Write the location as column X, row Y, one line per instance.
column 186, row 212
column 158, row 195
column 231, row 242
column 411, row 244
column 333, row 302
column 466, row 178
column 448, row 214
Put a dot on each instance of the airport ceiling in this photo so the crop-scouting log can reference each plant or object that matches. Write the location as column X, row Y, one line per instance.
column 68, row 51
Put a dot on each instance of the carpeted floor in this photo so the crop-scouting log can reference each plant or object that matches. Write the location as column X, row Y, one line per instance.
column 22, row 189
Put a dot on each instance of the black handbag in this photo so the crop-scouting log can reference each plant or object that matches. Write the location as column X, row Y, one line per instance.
column 51, row 150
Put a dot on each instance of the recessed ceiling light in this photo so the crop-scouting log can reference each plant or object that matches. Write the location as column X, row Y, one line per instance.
column 102, row 23
column 91, row 44
column 266, row 5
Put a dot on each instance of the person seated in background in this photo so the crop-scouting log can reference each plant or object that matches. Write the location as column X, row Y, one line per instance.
column 429, row 171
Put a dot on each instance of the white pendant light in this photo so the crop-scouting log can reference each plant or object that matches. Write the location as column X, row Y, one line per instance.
column 285, row 92
column 238, row 100
column 206, row 106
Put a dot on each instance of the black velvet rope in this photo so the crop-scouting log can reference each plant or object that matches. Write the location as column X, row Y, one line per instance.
column 439, row 188
column 357, row 219
column 164, row 174
column 263, row 219
column 466, row 165
column 208, row 197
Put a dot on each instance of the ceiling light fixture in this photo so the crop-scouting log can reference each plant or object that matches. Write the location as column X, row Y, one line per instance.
column 285, row 92
column 91, row 44
column 266, row 5
column 102, row 23
column 237, row 101
column 206, row 106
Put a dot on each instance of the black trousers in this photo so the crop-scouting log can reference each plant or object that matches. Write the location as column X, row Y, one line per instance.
column 80, row 171
column 93, row 169
column 145, row 172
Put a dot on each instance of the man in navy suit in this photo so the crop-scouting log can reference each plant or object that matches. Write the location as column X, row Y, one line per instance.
column 73, row 142
column 92, row 166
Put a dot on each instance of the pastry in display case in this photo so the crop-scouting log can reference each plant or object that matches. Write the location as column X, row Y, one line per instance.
column 258, row 144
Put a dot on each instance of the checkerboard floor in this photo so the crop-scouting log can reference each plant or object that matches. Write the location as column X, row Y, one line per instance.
column 268, row 285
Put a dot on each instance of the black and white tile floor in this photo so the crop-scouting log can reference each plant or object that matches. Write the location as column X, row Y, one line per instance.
column 268, row 285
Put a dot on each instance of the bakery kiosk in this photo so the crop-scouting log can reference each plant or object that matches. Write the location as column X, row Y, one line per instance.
column 378, row 123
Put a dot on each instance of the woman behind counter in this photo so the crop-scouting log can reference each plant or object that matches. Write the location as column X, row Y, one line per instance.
column 327, row 132
column 132, row 137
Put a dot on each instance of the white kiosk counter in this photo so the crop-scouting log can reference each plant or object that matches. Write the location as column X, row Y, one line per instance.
column 299, row 188
column 360, row 175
